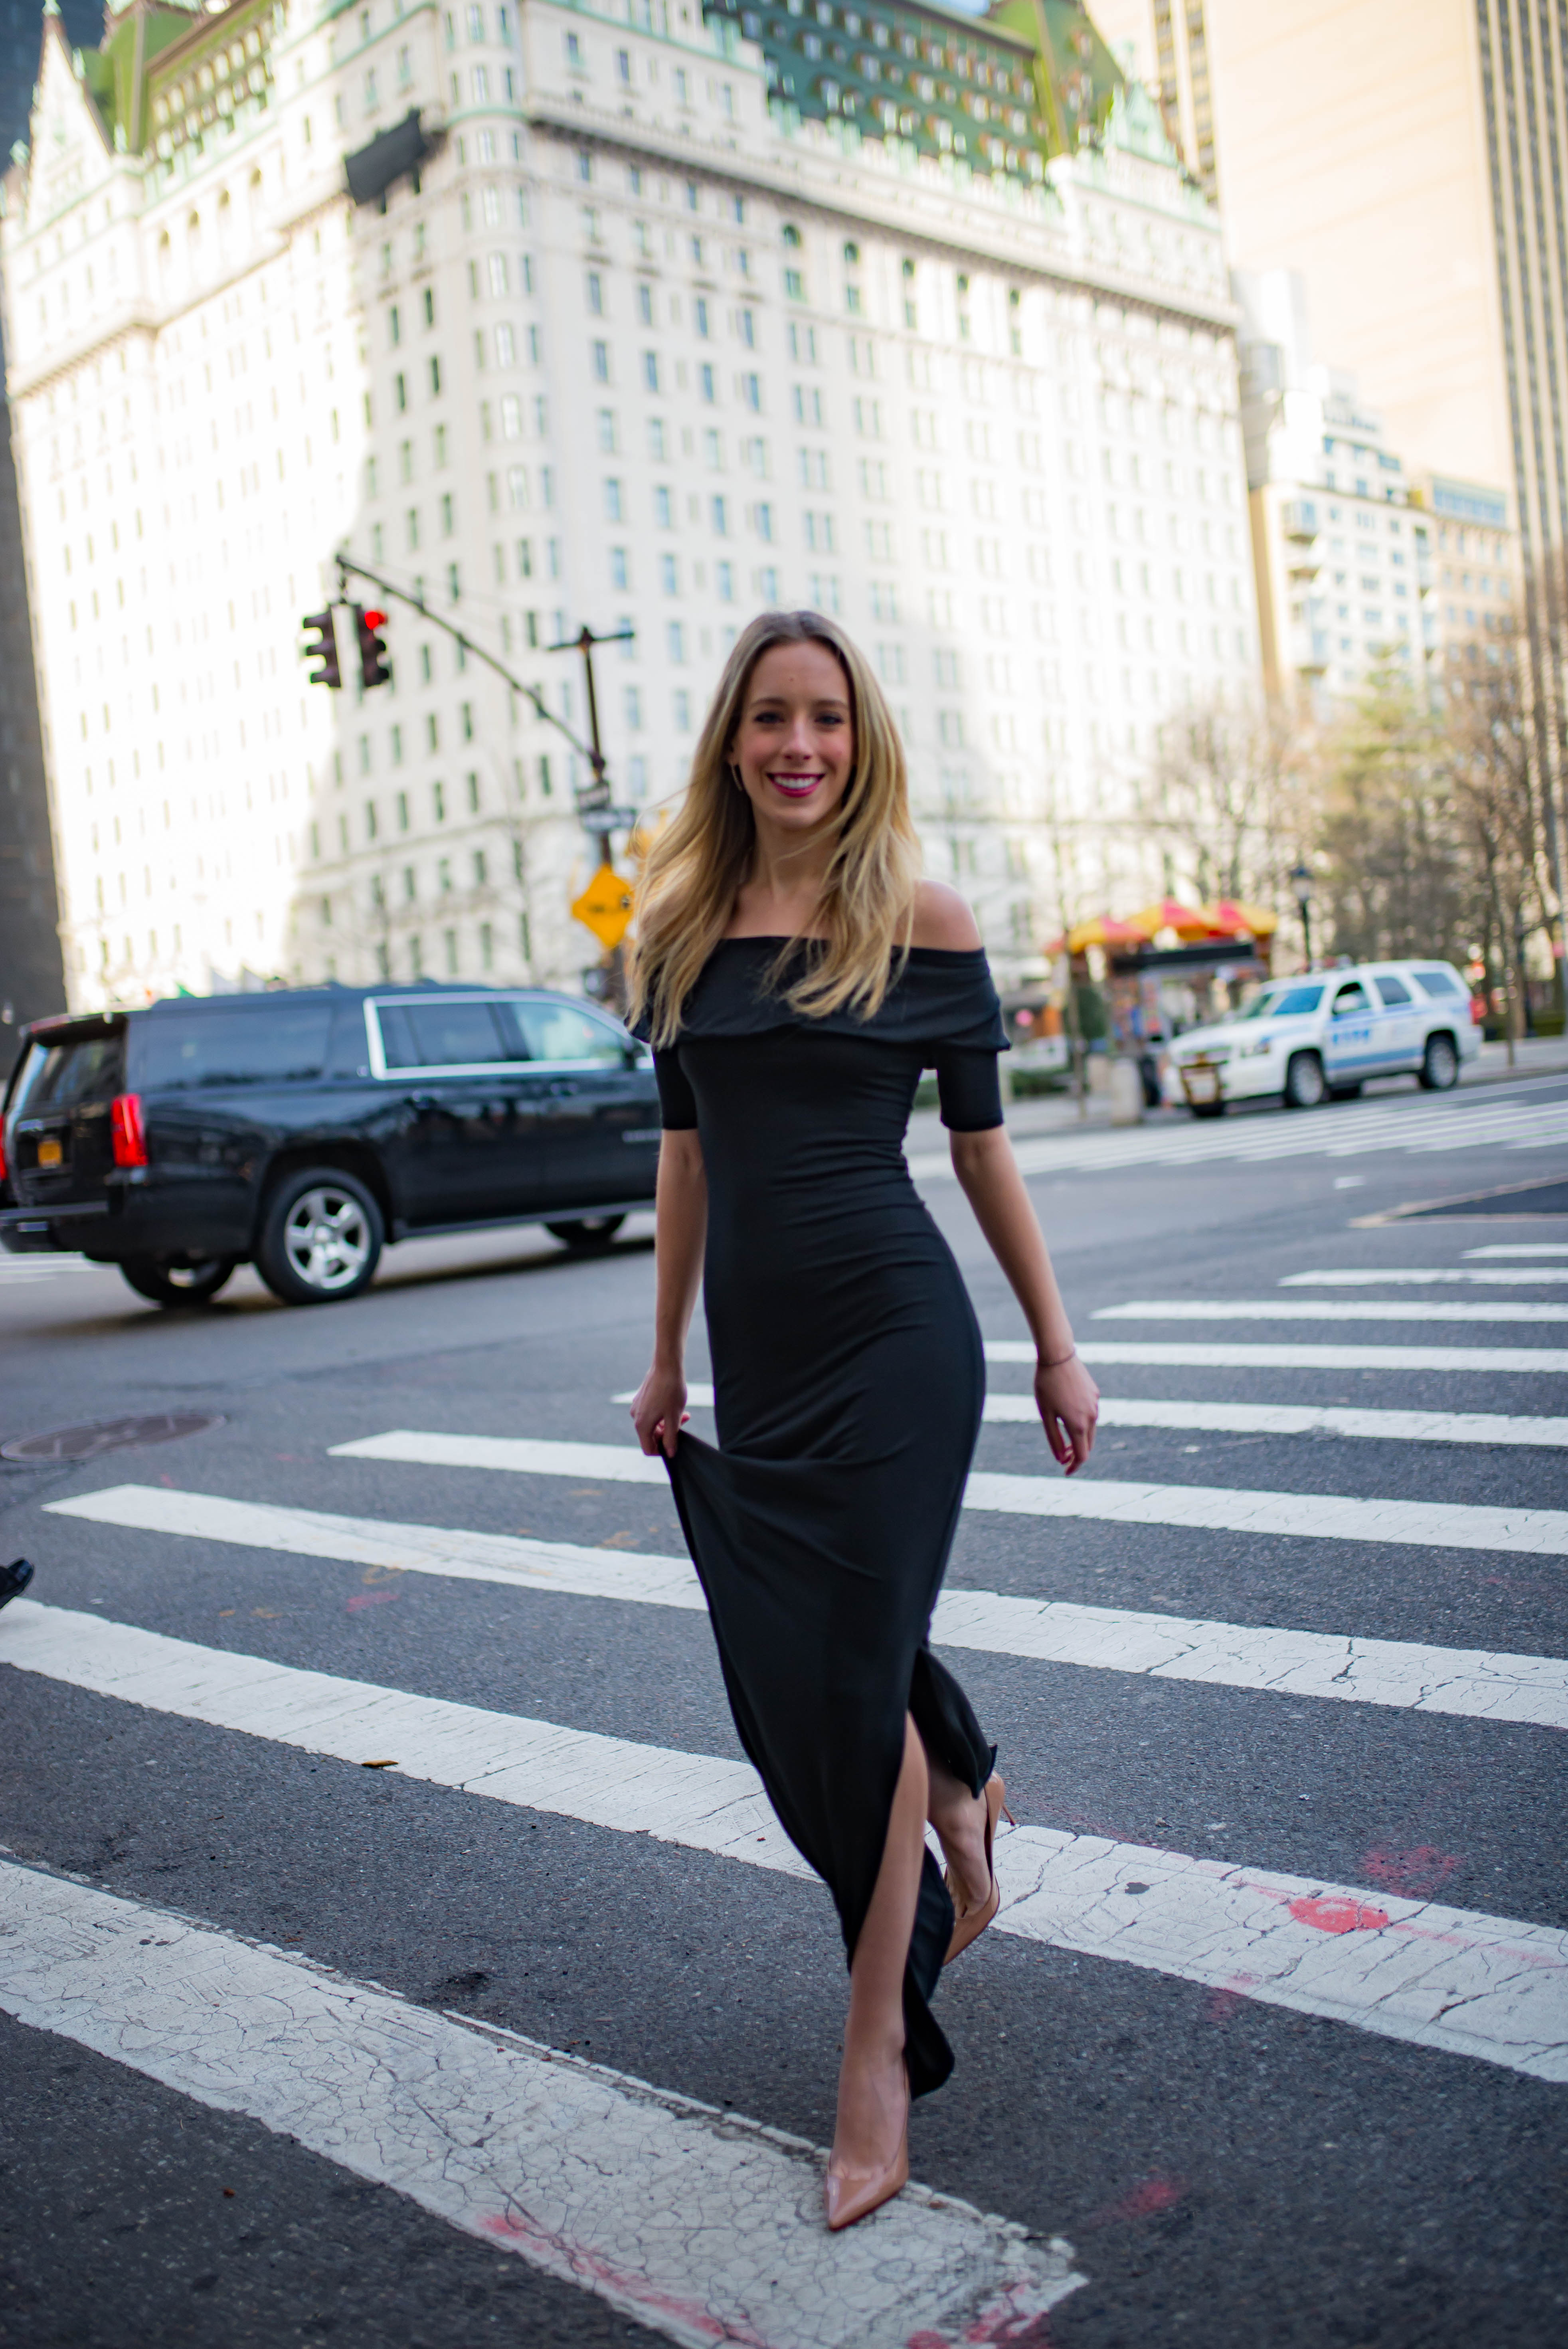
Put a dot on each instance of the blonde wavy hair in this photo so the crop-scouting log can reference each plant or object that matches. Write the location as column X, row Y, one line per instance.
column 698, row 862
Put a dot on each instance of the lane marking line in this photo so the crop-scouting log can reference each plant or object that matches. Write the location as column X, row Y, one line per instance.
column 1469, row 1984
column 1530, row 1689
column 1534, row 1361
column 701, row 2225
column 1264, row 1418
column 1326, row 1309
column 1326, row 1517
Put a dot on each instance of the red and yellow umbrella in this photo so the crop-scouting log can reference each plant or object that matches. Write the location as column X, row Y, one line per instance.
column 1232, row 917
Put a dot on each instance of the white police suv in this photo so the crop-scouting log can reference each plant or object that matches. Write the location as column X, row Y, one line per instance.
column 1322, row 1035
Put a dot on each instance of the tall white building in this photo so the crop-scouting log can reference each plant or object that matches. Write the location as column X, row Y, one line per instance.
column 667, row 316
column 1356, row 562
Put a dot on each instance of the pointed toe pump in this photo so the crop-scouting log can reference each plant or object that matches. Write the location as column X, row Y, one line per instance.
column 970, row 1923
column 848, row 2195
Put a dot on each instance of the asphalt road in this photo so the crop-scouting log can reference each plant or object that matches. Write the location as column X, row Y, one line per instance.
column 1240, row 2148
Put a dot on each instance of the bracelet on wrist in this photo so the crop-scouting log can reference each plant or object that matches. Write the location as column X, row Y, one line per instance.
column 1057, row 1360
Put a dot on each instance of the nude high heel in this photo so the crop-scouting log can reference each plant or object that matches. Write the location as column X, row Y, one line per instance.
column 970, row 1923
column 854, row 2194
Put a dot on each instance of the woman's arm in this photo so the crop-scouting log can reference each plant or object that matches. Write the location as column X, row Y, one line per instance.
column 658, row 1409
column 1068, row 1397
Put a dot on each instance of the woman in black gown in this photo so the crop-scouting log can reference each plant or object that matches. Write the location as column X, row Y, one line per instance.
column 795, row 977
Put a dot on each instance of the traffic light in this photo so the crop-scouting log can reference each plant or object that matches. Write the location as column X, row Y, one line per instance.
column 373, row 668
column 318, row 625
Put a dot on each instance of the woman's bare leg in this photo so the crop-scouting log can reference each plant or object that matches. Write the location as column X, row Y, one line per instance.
column 872, row 2104
column 959, row 1819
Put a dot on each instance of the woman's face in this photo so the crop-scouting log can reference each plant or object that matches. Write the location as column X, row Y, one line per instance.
column 794, row 749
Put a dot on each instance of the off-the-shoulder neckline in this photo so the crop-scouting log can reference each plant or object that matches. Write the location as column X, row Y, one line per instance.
column 767, row 938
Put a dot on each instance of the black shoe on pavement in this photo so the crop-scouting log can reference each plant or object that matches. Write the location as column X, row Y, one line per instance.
column 15, row 1578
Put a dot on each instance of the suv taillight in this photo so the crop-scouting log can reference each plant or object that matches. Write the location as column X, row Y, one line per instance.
column 2, row 1153
column 126, row 1131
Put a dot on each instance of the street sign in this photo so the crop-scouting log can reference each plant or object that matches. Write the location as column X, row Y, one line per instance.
column 605, row 907
column 608, row 819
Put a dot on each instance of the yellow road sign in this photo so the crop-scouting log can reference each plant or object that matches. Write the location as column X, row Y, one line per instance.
column 605, row 907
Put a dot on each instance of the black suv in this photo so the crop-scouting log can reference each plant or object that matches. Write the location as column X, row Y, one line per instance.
column 303, row 1129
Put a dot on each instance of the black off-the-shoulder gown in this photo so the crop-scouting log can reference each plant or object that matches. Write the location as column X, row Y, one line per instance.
column 849, row 1380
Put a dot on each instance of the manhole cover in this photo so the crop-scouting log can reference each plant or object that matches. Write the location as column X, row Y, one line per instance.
column 109, row 1436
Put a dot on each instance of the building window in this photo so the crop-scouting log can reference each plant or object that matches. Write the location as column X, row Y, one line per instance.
column 668, row 579
column 619, row 577
column 675, row 642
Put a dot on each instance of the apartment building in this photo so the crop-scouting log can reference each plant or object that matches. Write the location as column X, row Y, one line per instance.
column 1357, row 562
column 1475, row 576
column 640, row 316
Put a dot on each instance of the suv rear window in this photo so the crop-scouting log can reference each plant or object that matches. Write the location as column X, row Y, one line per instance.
column 70, row 1074
column 1437, row 981
column 1393, row 991
column 284, row 1044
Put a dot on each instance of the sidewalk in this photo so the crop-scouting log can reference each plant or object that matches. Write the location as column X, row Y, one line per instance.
column 1539, row 1056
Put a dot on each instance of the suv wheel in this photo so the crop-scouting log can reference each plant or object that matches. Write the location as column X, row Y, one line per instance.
column 171, row 1281
column 587, row 1231
column 1303, row 1085
column 321, row 1238
column 1439, row 1065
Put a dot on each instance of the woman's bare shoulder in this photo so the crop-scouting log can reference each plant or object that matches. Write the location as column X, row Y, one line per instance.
column 942, row 919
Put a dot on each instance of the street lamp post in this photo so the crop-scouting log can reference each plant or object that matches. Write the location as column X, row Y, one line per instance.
column 1301, row 882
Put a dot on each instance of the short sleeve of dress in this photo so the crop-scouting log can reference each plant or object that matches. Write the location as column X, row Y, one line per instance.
column 968, row 1090
column 678, row 1103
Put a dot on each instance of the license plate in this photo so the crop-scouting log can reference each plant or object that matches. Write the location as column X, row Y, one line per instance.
column 1201, row 1084
column 50, row 1153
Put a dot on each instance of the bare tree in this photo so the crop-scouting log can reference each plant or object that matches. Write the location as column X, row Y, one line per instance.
column 1232, row 798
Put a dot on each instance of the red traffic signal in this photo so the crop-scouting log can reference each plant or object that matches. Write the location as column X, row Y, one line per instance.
column 318, row 626
column 373, row 668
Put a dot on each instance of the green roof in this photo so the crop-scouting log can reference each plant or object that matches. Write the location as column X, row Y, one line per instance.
column 1001, row 94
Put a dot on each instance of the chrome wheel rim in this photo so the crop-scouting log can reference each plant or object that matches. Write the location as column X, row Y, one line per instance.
column 1443, row 1062
column 326, row 1238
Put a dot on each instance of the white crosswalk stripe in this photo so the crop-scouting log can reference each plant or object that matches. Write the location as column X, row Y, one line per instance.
column 18, row 1270
column 1521, row 1248
column 1439, row 1525
column 1496, row 1275
column 1263, row 1418
column 1435, row 1128
column 698, row 2223
column 1487, row 1987
column 1320, row 1309
column 1529, row 1689
column 1531, row 1362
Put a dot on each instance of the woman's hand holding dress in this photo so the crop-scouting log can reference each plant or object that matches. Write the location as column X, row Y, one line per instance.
column 658, row 1410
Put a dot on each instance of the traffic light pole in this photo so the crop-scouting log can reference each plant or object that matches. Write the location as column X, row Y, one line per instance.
column 593, row 805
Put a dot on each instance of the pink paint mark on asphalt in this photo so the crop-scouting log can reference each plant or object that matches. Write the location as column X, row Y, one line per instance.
column 1418, row 1872
column 370, row 1598
column 1146, row 2200
column 1328, row 1915
column 1221, row 2004
column 559, row 2251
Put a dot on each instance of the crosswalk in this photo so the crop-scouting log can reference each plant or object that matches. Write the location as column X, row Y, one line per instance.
column 1422, row 1129
column 595, row 2177
column 22, row 1271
